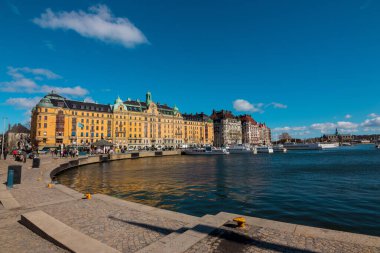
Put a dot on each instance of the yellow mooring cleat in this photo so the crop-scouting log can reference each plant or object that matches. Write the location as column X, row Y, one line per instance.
column 240, row 222
column 87, row 196
column 50, row 186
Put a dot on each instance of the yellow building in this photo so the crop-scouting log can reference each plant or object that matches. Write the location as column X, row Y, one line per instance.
column 132, row 123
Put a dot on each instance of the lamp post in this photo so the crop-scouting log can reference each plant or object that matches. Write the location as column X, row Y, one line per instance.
column 2, row 142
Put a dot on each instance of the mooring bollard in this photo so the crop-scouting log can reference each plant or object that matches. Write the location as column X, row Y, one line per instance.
column 87, row 196
column 240, row 222
column 10, row 179
column 50, row 185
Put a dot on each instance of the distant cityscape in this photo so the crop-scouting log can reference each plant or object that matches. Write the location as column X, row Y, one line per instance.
column 136, row 124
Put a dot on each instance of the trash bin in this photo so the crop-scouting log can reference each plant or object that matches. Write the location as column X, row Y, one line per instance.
column 10, row 178
column 36, row 162
column 16, row 173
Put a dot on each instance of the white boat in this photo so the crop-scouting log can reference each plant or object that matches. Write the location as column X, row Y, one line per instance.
column 346, row 144
column 239, row 149
column 377, row 146
column 302, row 146
column 328, row 145
column 264, row 149
column 279, row 148
column 206, row 151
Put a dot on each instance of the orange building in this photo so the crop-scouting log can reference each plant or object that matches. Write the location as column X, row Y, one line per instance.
column 132, row 123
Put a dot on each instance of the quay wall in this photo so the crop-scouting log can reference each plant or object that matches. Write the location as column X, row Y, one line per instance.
column 108, row 158
column 285, row 228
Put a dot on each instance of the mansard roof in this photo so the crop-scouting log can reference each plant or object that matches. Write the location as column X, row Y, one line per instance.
column 223, row 114
column 136, row 105
column 247, row 118
column 54, row 100
column 78, row 105
column 196, row 117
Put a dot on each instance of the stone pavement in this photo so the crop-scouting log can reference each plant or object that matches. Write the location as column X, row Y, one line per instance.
column 132, row 227
column 228, row 238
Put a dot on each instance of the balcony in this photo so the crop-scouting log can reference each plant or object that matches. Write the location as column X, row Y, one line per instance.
column 59, row 135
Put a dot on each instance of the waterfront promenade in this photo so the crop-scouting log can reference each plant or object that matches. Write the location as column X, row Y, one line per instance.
column 107, row 224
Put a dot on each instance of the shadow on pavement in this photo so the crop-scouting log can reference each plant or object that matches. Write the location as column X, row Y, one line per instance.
column 230, row 241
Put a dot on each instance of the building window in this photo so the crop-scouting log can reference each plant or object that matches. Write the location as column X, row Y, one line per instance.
column 45, row 125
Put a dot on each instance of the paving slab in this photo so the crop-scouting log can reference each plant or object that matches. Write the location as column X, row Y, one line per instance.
column 229, row 238
column 8, row 201
column 62, row 234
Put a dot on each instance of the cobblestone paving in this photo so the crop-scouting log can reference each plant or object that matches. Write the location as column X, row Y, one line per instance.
column 14, row 237
column 257, row 239
column 33, row 196
column 127, row 230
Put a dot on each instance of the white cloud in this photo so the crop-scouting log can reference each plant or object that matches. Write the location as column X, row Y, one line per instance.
column 348, row 131
column 242, row 105
column 19, row 85
column 348, row 116
column 98, row 23
column 289, row 129
column 328, row 126
column 371, row 129
column 76, row 91
column 88, row 100
column 37, row 72
column 323, row 127
column 374, row 122
column 23, row 103
column 302, row 133
column 373, row 115
column 346, row 125
column 278, row 105
column 23, row 84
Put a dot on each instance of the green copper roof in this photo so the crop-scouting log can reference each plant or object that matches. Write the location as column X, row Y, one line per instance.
column 118, row 100
column 45, row 102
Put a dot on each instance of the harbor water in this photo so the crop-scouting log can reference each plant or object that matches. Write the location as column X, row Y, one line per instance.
column 336, row 189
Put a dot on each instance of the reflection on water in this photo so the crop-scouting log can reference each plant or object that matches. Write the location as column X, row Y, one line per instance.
column 336, row 189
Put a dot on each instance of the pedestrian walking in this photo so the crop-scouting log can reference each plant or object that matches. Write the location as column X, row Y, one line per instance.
column 5, row 153
column 24, row 154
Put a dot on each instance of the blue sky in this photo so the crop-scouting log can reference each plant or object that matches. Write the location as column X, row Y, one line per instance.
column 305, row 67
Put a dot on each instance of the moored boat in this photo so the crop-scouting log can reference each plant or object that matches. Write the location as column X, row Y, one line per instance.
column 279, row 148
column 239, row 149
column 328, row 145
column 206, row 151
column 264, row 149
column 302, row 146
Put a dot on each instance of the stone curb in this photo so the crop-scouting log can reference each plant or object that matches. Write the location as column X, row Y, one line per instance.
column 63, row 235
column 7, row 200
column 315, row 232
column 360, row 239
column 180, row 242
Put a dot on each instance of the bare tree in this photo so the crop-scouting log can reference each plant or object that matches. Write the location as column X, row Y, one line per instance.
column 285, row 137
